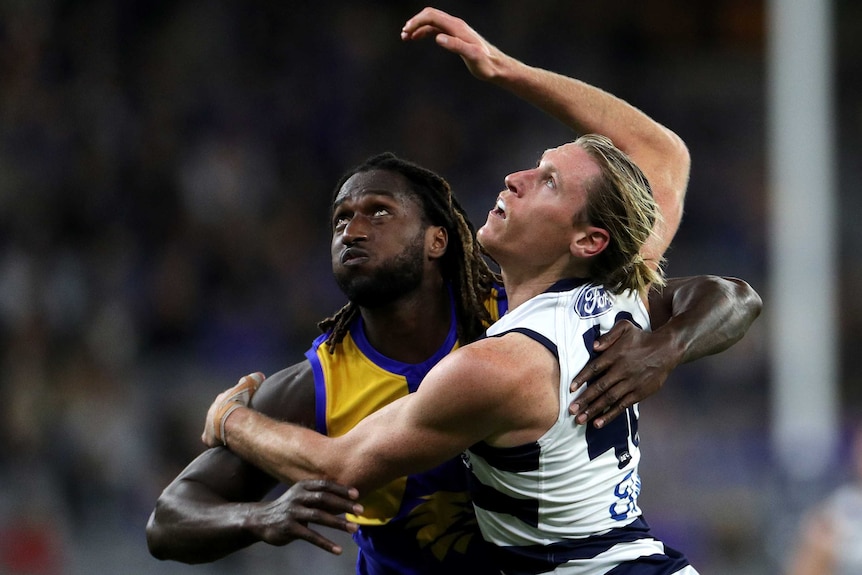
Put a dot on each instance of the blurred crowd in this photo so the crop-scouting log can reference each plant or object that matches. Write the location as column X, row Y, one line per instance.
column 165, row 176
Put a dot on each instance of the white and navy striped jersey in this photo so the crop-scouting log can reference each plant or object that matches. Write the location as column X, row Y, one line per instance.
column 568, row 502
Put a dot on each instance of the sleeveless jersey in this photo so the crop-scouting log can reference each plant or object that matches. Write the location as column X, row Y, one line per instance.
column 422, row 524
column 568, row 502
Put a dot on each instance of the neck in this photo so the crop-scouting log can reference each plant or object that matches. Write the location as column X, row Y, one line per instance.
column 518, row 292
column 412, row 328
column 523, row 284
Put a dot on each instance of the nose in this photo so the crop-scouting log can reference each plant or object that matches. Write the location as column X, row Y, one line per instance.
column 514, row 182
column 356, row 230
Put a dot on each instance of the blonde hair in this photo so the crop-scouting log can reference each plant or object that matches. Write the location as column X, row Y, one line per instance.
column 621, row 202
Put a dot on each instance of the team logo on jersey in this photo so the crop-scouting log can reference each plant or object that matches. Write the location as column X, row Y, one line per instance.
column 445, row 523
column 593, row 302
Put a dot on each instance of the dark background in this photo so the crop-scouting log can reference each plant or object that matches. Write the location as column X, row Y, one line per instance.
column 165, row 176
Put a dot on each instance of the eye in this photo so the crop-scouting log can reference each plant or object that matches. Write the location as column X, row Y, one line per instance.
column 339, row 221
column 381, row 212
column 549, row 181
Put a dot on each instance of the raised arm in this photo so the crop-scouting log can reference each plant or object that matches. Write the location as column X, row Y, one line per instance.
column 691, row 318
column 214, row 508
column 659, row 152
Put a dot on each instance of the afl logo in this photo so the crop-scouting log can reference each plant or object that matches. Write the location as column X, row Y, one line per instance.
column 465, row 459
column 593, row 302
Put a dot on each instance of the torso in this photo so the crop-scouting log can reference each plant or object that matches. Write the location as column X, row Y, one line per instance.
column 421, row 524
column 543, row 503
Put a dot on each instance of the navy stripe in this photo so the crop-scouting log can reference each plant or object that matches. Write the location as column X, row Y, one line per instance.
column 552, row 347
column 533, row 559
column 514, row 459
column 567, row 284
column 491, row 500
column 667, row 564
column 624, row 315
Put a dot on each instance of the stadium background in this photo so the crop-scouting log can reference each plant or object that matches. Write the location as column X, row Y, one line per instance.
column 165, row 173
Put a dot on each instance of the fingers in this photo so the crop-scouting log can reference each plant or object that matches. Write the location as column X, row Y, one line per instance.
column 603, row 362
column 589, row 372
column 419, row 33
column 602, row 409
column 246, row 387
column 319, row 499
column 599, row 401
column 320, row 502
column 595, row 399
column 428, row 21
column 318, row 540
column 225, row 403
column 610, row 415
column 299, row 530
column 340, row 498
column 611, row 337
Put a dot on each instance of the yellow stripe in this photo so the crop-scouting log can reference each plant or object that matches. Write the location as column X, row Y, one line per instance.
column 356, row 387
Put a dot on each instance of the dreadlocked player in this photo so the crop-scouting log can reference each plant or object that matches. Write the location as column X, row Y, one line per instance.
column 406, row 257
column 462, row 264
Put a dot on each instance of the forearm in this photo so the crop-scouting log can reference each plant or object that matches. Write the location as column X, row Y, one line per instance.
column 709, row 315
column 583, row 107
column 382, row 447
column 658, row 152
column 284, row 450
column 190, row 527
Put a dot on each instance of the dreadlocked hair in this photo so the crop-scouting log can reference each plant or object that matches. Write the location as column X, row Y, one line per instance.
column 463, row 264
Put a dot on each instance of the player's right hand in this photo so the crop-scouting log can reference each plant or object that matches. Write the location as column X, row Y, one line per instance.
column 483, row 59
column 311, row 501
column 225, row 403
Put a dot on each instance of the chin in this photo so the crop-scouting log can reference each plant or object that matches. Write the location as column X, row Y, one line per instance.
column 485, row 237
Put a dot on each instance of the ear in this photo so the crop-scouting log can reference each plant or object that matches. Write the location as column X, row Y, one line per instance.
column 436, row 240
column 589, row 242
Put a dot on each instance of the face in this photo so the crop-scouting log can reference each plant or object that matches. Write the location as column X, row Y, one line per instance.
column 378, row 238
column 532, row 220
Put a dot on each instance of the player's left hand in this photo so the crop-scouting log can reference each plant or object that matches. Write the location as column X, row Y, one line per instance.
column 238, row 396
column 632, row 365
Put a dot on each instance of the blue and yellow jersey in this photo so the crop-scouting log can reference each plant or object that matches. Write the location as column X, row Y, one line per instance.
column 422, row 524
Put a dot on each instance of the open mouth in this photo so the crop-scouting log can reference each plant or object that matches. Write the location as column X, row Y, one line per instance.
column 499, row 208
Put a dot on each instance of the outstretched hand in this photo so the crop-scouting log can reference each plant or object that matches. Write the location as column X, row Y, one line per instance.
column 311, row 501
column 225, row 403
column 632, row 365
column 483, row 59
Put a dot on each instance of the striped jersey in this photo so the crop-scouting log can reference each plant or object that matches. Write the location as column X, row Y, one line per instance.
column 422, row 524
column 568, row 502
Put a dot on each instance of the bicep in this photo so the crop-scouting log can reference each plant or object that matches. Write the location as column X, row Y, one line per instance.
column 288, row 395
column 661, row 302
column 219, row 475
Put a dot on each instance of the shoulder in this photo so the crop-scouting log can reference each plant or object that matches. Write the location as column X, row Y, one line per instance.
column 492, row 369
column 485, row 389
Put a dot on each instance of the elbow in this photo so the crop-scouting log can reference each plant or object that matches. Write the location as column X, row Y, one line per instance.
column 365, row 474
column 351, row 474
column 165, row 541
column 157, row 539
column 745, row 305
column 682, row 167
column 749, row 298
column 677, row 151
